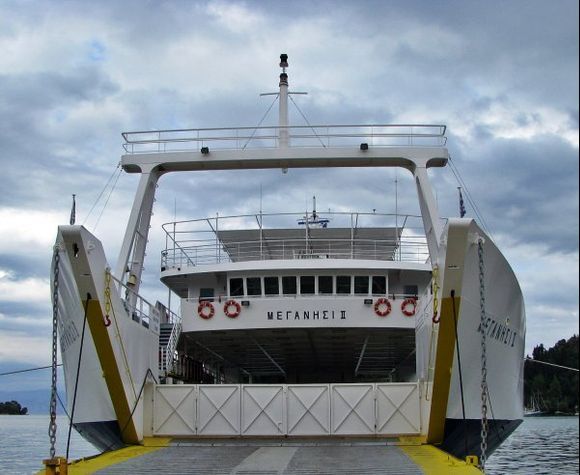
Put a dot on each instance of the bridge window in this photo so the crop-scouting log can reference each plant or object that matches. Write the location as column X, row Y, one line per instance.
column 237, row 287
column 289, row 285
column 206, row 294
column 361, row 284
column 254, row 286
column 343, row 284
column 307, row 284
column 411, row 290
column 325, row 284
column 271, row 286
column 379, row 285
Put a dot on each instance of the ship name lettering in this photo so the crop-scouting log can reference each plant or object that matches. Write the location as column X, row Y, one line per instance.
column 499, row 332
column 68, row 335
column 306, row 315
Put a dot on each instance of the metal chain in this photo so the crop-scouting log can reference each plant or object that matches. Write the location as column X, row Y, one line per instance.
column 435, row 287
column 107, row 318
column 483, row 320
column 53, row 394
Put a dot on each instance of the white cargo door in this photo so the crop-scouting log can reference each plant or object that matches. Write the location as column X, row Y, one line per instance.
column 218, row 408
column 308, row 409
column 263, row 409
column 174, row 410
column 398, row 408
column 353, row 409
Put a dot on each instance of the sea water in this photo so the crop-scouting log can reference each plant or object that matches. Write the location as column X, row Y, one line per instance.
column 24, row 443
column 541, row 445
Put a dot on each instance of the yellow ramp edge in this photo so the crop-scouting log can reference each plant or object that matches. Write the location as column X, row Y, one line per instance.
column 434, row 461
column 429, row 458
column 107, row 459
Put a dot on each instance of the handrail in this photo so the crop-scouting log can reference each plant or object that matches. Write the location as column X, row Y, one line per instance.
column 282, row 249
column 167, row 356
column 297, row 214
column 198, row 242
column 143, row 310
column 155, row 141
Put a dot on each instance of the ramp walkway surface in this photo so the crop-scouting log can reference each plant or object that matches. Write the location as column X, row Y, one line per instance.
column 275, row 457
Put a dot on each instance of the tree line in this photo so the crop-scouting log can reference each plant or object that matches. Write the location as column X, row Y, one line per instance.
column 12, row 408
column 553, row 389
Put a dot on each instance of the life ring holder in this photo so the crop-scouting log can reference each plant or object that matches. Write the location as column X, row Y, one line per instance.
column 232, row 308
column 382, row 307
column 205, row 309
column 405, row 305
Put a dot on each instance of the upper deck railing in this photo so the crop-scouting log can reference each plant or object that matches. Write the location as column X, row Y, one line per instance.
column 278, row 236
column 240, row 138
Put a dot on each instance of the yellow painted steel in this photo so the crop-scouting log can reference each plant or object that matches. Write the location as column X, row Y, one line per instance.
column 434, row 461
column 93, row 464
column 442, row 373
column 111, row 373
column 430, row 459
column 56, row 465
column 452, row 277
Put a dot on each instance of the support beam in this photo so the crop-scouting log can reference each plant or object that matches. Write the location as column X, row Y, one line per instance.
column 362, row 352
column 132, row 251
column 272, row 360
column 429, row 212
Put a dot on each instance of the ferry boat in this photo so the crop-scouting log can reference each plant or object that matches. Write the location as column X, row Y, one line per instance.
column 334, row 326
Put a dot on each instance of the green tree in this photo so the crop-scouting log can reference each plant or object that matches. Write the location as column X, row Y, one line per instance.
column 558, row 388
column 12, row 408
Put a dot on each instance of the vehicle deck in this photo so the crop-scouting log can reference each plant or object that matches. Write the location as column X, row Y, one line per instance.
column 276, row 456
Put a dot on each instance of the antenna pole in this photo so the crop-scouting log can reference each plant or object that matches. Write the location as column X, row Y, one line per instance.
column 283, row 111
column 397, row 213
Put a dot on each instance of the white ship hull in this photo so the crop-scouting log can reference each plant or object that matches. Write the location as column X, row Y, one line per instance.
column 505, row 343
column 88, row 394
column 95, row 417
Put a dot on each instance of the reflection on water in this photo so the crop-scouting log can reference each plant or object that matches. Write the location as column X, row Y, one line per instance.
column 541, row 445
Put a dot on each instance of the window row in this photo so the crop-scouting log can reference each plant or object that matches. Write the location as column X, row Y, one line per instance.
column 308, row 285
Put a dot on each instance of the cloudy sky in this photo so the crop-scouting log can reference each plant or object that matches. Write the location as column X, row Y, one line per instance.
column 503, row 76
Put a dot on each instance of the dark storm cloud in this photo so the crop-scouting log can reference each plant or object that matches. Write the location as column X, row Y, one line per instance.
column 23, row 263
column 526, row 189
column 33, row 106
column 138, row 65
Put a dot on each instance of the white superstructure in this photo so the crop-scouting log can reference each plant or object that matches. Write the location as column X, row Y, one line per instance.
column 319, row 324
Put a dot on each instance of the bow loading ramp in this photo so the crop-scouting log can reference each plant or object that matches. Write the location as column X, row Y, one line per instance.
column 286, row 429
column 307, row 456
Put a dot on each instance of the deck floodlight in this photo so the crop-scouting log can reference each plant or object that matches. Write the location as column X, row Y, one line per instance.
column 368, row 301
column 364, row 146
column 204, row 150
column 245, row 303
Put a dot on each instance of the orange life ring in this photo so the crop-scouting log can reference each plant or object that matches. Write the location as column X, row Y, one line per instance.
column 382, row 307
column 205, row 309
column 232, row 308
column 407, row 302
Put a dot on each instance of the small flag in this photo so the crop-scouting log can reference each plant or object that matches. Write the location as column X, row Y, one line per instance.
column 461, row 204
column 73, row 212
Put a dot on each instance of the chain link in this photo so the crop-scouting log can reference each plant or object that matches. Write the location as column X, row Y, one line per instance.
column 483, row 325
column 107, row 319
column 435, row 290
column 53, row 394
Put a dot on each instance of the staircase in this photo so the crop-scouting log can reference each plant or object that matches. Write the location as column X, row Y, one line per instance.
column 168, row 337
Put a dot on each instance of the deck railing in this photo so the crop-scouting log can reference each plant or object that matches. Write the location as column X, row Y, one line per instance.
column 239, row 138
column 203, row 242
column 411, row 249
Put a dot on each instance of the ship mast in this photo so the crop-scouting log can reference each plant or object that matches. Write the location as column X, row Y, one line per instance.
column 283, row 96
column 283, row 104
